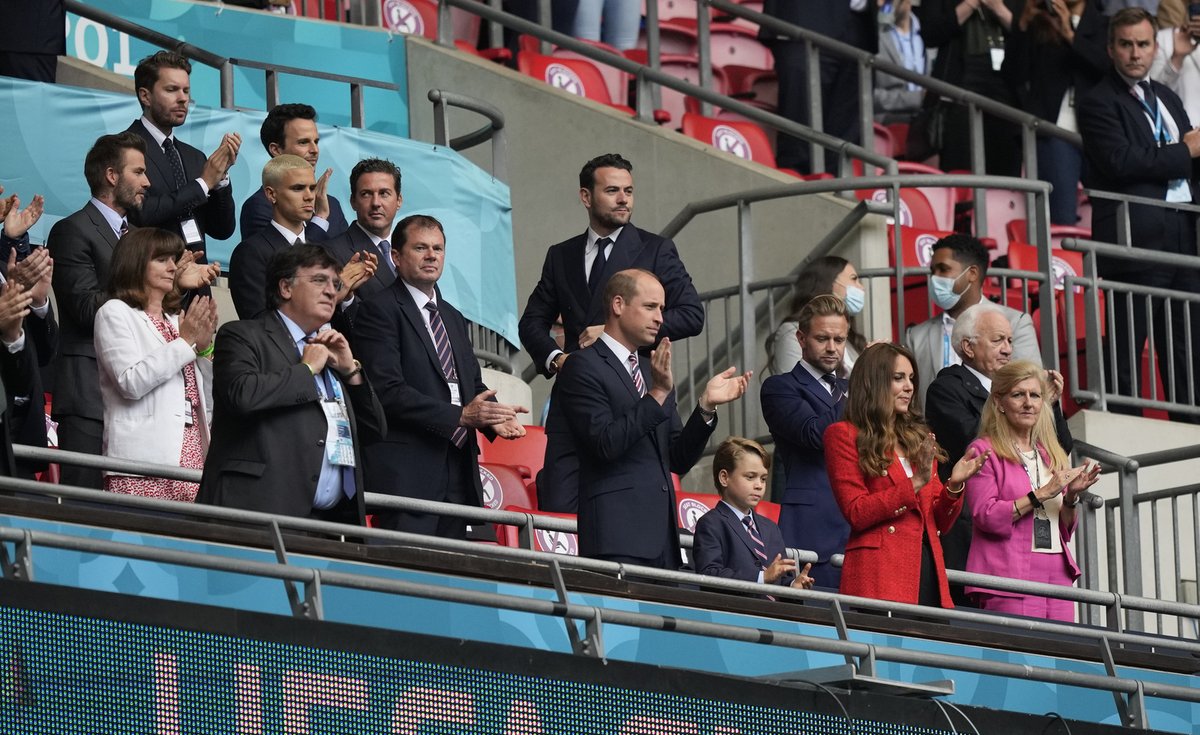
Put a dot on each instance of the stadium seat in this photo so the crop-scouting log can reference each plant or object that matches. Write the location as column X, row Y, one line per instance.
column 729, row 43
column 884, row 144
column 690, row 506
column 616, row 80
column 557, row 542
column 681, row 66
column 505, row 486
column 743, row 139
column 579, row 77
column 915, row 209
column 1017, row 231
column 526, row 454
column 759, row 85
column 916, row 248
column 420, row 18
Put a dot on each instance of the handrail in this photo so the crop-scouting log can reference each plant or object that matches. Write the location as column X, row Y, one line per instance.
column 222, row 64
column 493, row 130
column 642, row 74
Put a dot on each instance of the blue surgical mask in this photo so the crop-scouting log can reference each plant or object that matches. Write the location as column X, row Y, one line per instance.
column 943, row 290
column 856, row 299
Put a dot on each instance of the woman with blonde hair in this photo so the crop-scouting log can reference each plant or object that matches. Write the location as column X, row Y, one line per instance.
column 1022, row 502
column 882, row 464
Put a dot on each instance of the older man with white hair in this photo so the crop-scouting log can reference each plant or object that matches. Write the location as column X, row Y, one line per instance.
column 982, row 337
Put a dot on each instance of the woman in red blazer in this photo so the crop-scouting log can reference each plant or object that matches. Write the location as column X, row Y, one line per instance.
column 882, row 464
column 1022, row 502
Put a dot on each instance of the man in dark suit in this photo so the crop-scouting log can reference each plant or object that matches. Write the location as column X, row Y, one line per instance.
column 290, row 187
column 420, row 359
column 82, row 245
column 292, row 128
column 35, row 35
column 848, row 21
column 375, row 198
column 571, row 288
column 621, row 410
column 1138, row 140
column 189, row 192
column 733, row 541
column 291, row 405
column 798, row 406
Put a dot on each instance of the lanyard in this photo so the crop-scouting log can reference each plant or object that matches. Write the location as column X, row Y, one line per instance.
column 1160, row 131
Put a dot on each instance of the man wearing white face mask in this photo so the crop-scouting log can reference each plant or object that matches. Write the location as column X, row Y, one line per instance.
column 959, row 267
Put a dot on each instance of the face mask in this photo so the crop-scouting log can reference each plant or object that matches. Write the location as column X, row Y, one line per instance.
column 943, row 290
column 855, row 299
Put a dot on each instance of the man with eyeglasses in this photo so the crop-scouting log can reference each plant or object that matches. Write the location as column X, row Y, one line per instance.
column 291, row 405
column 291, row 187
column 416, row 349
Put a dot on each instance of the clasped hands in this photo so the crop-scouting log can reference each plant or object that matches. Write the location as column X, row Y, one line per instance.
column 481, row 413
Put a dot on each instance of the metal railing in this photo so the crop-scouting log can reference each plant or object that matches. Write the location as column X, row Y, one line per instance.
column 19, row 565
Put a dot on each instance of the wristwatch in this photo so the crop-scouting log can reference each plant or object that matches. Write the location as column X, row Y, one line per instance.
column 357, row 369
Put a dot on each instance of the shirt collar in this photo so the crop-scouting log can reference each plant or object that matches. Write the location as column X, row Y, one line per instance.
column 813, row 371
column 740, row 515
column 592, row 238
column 375, row 239
column 110, row 215
column 418, row 295
column 297, row 334
column 288, row 234
column 158, row 135
column 984, row 380
column 619, row 350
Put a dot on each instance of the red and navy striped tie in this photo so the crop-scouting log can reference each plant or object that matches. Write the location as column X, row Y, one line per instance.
column 441, row 343
column 760, row 549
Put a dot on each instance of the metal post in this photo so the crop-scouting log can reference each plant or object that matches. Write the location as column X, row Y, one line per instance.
column 812, row 60
column 749, row 333
column 495, row 30
column 978, row 167
column 356, row 105
column 1131, row 552
column 271, row 82
column 545, row 21
column 866, row 104
column 445, row 34
column 654, row 54
column 1029, row 158
column 226, row 72
column 704, row 41
column 1048, row 304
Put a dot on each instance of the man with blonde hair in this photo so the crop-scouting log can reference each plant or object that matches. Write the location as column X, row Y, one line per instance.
column 291, row 187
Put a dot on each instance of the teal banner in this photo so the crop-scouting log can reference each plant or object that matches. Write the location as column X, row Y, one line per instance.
column 50, row 129
column 237, row 33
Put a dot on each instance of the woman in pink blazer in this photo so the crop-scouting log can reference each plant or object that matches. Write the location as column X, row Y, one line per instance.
column 1022, row 501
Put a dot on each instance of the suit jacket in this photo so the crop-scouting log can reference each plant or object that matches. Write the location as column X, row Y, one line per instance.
column 1041, row 73
column 628, row 448
column 887, row 518
column 927, row 345
column 722, row 547
column 1122, row 156
column 82, row 246
column 164, row 206
column 143, row 387
column 343, row 247
column 831, row 18
column 268, row 429
column 1001, row 547
column 894, row 101
column 798, row 409
column 563, row 291
column 257, row 212
column 248, row 270
column 24, row 378
column 33, row 28
column 393, row 343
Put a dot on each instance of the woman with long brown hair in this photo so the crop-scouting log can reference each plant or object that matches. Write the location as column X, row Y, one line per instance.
column 882, row 463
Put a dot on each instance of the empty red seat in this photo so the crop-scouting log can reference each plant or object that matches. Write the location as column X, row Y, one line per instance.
column 504, row 486
column 579, row 77
column 739, row 138
column 526, row 454
column 555, row 542
column 915, row 209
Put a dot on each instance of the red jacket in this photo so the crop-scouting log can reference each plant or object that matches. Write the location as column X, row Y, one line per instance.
column 883, row 555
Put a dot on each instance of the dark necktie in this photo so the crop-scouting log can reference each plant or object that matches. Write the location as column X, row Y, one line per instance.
column 349, row 485
column 176, row 162
column 835, row 386
column 124, row 229
column 385, row 251
column 638, row 383
column 441, row 343
column 760, row 549
column 598, row 264
column 1152, row 105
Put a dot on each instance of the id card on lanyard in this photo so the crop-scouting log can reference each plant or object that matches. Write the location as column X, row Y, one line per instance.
column 1161, row 137
column 339, row 442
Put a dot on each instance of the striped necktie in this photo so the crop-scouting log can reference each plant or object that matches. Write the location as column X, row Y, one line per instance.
column 760, row 549
column 441, row 343
column 638, row 384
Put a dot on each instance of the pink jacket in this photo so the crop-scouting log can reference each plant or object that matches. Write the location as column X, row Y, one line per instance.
column 999, row 546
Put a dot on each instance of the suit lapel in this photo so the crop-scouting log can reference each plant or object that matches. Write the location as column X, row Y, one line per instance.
column 361, row 242
column 618, row 368
column 624, row 252
column 154, row 153
column 811, row 385
column 735, row 526
column 280, row 336
column 102, row 227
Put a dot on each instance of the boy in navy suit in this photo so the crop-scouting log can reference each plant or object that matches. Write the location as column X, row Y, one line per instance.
column 732, row 540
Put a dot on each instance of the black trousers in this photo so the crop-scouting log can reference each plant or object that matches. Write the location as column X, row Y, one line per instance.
column 79, row 434
column 459, row 488
column 839, row 105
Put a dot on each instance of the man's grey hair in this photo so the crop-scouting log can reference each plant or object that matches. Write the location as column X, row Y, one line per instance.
column 967, row 326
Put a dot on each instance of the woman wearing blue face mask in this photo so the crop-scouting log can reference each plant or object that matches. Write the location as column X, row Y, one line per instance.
column 830, row 274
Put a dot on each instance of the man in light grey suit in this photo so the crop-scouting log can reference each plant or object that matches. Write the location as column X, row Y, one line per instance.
column 959, row 267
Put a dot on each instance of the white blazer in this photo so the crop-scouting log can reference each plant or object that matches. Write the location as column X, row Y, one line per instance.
column 142, row 384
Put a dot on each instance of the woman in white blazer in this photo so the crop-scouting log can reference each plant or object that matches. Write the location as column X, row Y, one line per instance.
column 155, row 367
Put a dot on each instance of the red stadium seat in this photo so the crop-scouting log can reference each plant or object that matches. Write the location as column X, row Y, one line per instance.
column 915, row 209
column 579, row 77
column 884, row 144
column 916, row 250
column 616, row 80
column 526, row 454
column 1017, row 230
column 557, row 542
column 760, row 85
column 729, row 43
column 504, row 486
column 743, row 139
column 420, row 18
column 690, row 506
